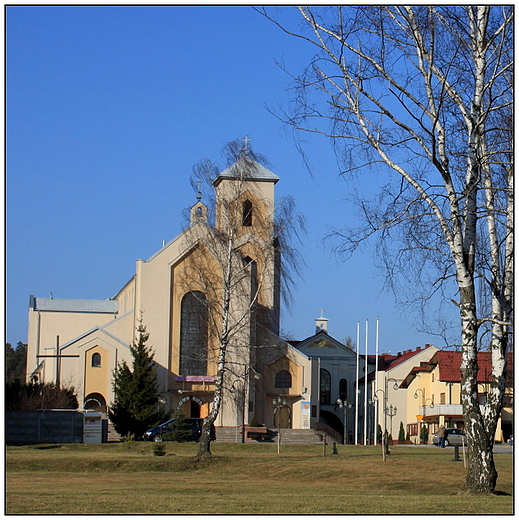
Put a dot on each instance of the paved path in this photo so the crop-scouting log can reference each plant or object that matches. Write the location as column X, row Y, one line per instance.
column 498, row 448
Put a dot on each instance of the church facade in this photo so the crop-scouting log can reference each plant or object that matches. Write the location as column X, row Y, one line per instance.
column 191, row 306
column 177, row 295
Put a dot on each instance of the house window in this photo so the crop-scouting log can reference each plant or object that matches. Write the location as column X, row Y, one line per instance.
column 194, row 318
column 247, row 213
column 326, row 386
column 96, row 360
column 442, row 398
column 283, row 379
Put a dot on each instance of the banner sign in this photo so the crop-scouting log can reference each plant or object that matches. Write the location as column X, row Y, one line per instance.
column 195, row 379
column 305, row 415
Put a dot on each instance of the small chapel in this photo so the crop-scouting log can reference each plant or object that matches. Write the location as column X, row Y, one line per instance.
column 177, row 295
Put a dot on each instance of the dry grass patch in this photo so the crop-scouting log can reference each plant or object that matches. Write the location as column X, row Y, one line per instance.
column 243, row 479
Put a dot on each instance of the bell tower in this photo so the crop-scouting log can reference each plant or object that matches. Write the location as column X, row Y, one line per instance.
column 245, row 207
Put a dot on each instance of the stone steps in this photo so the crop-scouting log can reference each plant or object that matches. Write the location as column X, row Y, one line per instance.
column 113, row 436
column 228, row 434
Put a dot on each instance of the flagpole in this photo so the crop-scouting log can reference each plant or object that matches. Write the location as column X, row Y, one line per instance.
column 375, row 425
column 357, row 388
column 366, row 390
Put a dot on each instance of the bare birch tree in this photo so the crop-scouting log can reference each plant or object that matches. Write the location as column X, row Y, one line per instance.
column 238, row 270
column 423, row 95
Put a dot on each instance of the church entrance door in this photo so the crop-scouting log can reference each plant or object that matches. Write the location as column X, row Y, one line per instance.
column 283, row 417
column 190, row 407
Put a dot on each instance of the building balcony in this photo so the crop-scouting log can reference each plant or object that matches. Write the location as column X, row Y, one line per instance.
column 449, row 410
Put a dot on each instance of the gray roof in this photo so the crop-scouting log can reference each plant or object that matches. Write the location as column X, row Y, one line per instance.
column 69, row 305
column 258, row 172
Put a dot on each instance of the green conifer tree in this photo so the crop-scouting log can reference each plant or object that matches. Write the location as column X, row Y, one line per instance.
column 401, row 432
column 136, row 400
column 180, row 431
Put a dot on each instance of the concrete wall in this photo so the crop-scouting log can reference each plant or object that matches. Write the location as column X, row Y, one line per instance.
column 50, row 426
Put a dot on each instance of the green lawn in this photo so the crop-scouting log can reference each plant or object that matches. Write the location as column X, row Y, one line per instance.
column 126, row 478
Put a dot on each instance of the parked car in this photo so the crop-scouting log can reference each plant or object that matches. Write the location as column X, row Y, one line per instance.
column 511, row 440
column 157, row 433
column 454, row 436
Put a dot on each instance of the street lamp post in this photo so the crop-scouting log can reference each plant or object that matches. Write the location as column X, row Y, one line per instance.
column 344, row 405
column 391, row 412
column 385, row 409
column 384, row 440
column 278, row 403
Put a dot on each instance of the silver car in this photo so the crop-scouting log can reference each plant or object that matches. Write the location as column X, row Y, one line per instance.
column 455, row 436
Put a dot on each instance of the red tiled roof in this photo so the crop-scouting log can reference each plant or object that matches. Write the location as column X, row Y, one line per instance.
column 449, row 366
column 403, row 357
column 388, row 361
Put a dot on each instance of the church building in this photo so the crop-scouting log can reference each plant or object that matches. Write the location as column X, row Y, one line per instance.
column 177, row 295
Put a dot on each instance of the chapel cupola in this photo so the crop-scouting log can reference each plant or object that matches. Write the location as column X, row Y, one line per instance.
column 321, row 323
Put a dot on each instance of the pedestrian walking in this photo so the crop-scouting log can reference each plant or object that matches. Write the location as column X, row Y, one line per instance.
column 441, row 436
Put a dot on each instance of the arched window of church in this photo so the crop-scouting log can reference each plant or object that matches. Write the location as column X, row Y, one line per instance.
column 194, row 318
column 96, row 359
column 247, row 213
column 326, row 386
column 343, row 389
column 283, row 379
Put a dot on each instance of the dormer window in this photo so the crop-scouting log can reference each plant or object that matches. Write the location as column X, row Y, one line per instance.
column 247, row 213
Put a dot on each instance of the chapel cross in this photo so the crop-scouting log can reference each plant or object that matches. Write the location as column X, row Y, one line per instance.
column 58, row 357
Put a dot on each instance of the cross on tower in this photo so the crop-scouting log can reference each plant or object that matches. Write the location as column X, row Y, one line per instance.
column 246, row 142
column 199, row 191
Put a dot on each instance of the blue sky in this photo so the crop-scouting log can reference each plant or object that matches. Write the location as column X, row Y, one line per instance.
column 109, row 108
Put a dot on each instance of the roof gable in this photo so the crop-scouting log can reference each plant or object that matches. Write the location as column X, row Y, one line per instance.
column 96, row 333
column 409, row 354
column 323, row 345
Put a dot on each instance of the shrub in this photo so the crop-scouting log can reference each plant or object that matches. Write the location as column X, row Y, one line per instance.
column 159, row 450
column 29, row 397
column 424, row 435
column 181, row 430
